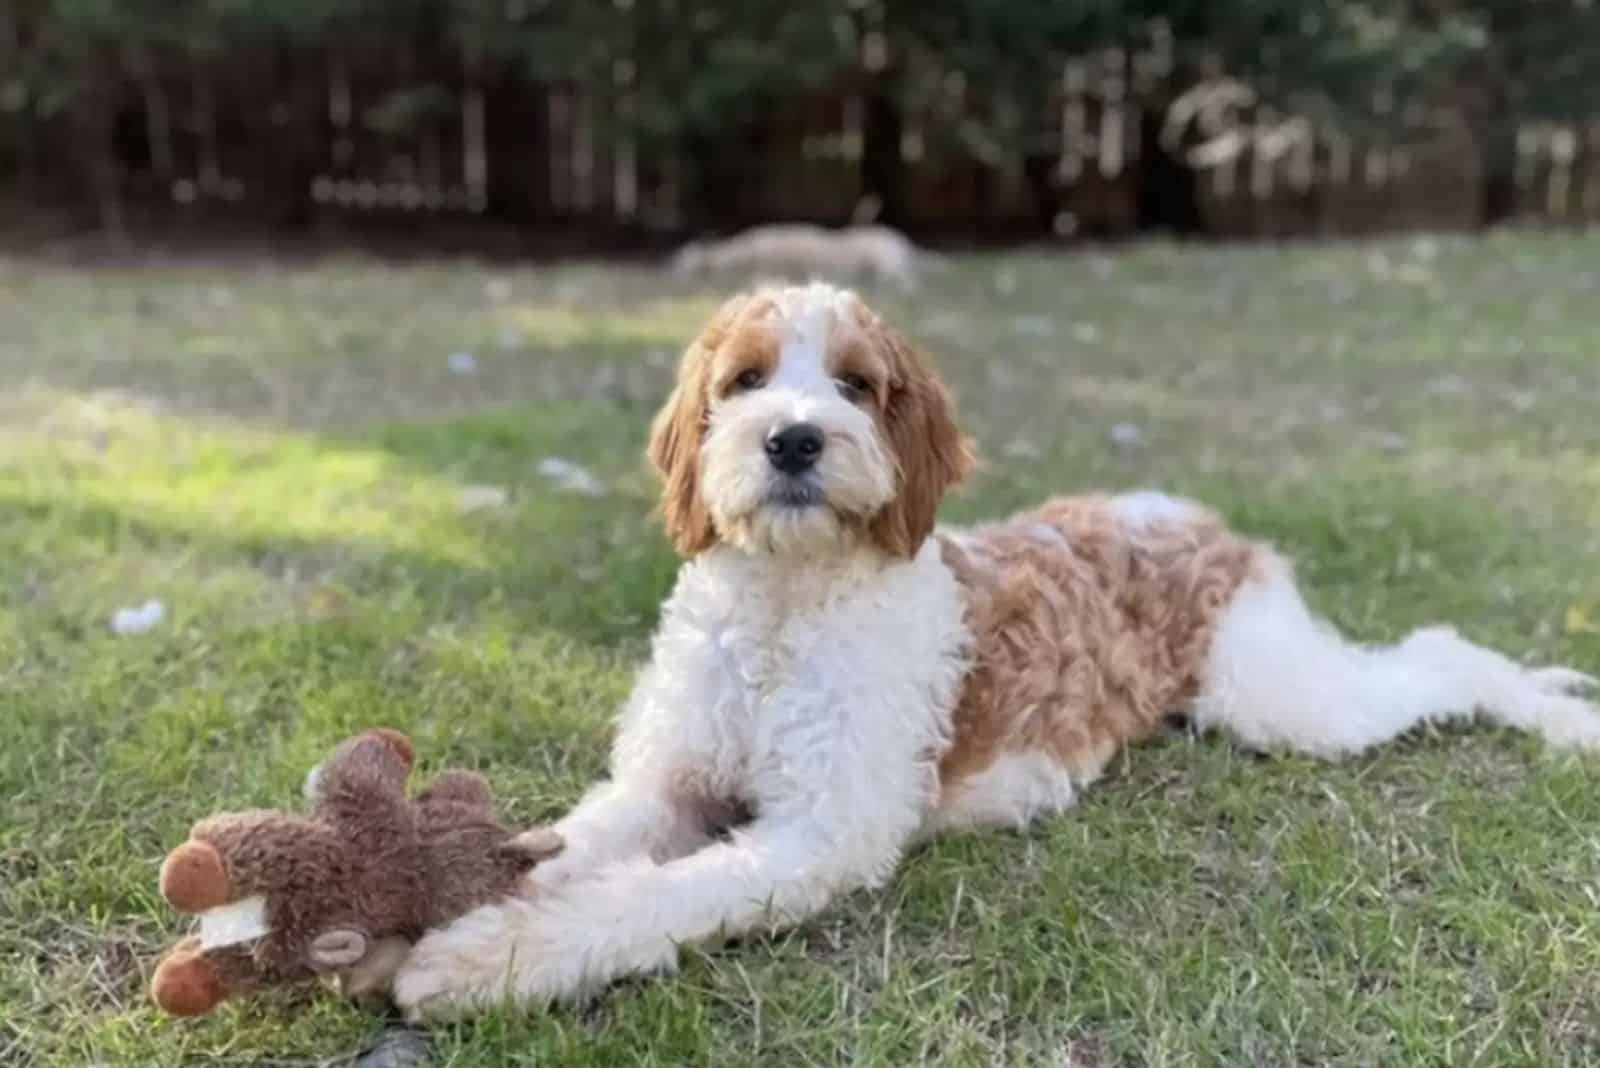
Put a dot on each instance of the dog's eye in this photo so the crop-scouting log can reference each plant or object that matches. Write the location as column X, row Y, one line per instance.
column 748, row 379
column 853, row 387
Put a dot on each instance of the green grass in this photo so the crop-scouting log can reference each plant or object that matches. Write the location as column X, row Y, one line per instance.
column 278, row 454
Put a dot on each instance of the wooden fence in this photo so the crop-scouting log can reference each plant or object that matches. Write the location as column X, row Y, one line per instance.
column 410, row 135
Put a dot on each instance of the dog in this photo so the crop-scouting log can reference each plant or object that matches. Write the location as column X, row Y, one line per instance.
column 877, row 252
column 855, row 680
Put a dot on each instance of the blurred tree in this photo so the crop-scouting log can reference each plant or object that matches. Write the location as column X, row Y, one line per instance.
column 1377, row 69
column 697, row 76
column 1499, row 64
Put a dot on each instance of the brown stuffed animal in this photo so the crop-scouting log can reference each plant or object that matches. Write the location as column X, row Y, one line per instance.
column 344, row 893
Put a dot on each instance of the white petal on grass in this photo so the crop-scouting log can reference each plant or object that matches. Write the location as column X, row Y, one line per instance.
column 1392, row 441
column 463, row 363
column 1033, row 326
column 1447, row 385
column 1022, row 449
column 483, row 498
column 145, row 617
column 1127, row 436
column 570, row 477
column 1522, row 400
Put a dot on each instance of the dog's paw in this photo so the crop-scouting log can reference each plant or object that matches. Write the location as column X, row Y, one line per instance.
column 468, row 966
column 531, row 951
column 511, row 954
column 437, row 982
column 558, row 868
column 1559, row 681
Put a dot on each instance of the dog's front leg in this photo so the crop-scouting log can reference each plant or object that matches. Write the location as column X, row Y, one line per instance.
column 620, row 820
column 630, row 917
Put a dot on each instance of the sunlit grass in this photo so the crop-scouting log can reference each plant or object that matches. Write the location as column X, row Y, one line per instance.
column 654, row 323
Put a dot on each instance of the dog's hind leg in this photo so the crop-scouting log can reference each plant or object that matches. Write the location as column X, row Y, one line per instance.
column 1279, row 678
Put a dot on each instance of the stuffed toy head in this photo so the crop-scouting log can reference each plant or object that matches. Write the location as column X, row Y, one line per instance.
column 343, row 892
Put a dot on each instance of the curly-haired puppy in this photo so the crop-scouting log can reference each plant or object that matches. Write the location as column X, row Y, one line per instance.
column 854, row 680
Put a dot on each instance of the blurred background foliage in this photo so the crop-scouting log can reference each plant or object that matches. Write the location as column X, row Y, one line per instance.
column 630, row 118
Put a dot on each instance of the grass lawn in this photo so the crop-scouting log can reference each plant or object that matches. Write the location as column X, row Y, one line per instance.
column 279, row 453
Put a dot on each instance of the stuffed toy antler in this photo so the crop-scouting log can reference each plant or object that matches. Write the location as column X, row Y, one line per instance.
column 343, row 892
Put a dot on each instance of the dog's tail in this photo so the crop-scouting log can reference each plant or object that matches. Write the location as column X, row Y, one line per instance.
column 1278, row 677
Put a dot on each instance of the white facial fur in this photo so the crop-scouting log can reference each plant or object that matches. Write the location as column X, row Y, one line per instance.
column 855, row 475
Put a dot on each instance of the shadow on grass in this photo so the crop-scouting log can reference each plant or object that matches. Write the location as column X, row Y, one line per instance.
column 537, row 592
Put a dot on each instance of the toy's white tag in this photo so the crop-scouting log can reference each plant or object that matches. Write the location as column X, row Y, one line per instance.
column 228, row 925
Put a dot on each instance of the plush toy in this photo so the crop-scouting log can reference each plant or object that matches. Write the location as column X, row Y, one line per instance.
column 343, row 893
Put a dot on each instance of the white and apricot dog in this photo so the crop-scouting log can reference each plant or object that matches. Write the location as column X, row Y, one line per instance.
column 851, row 681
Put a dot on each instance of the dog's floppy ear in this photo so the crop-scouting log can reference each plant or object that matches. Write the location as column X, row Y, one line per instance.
column 931, row 454
column 677, row 433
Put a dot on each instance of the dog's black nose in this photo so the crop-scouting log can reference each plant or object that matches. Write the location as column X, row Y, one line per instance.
column 794, row 448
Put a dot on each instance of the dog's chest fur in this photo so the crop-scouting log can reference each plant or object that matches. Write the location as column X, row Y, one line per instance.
column 769, row 674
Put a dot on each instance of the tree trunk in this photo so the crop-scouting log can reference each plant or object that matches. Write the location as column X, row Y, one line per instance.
column 1497, row 146
column 209, row 166
column 1492, row 118
column 1169, row 188
column 713, row 195
column 883, row 172
column 290, row 139
column 1039, row 171
column 157, row 113
column 96, row 136
column 22, row 125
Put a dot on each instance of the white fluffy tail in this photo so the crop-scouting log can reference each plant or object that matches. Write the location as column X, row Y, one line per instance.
column 1278, row 677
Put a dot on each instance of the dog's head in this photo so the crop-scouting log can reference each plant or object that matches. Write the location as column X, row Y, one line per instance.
column 802, row 423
